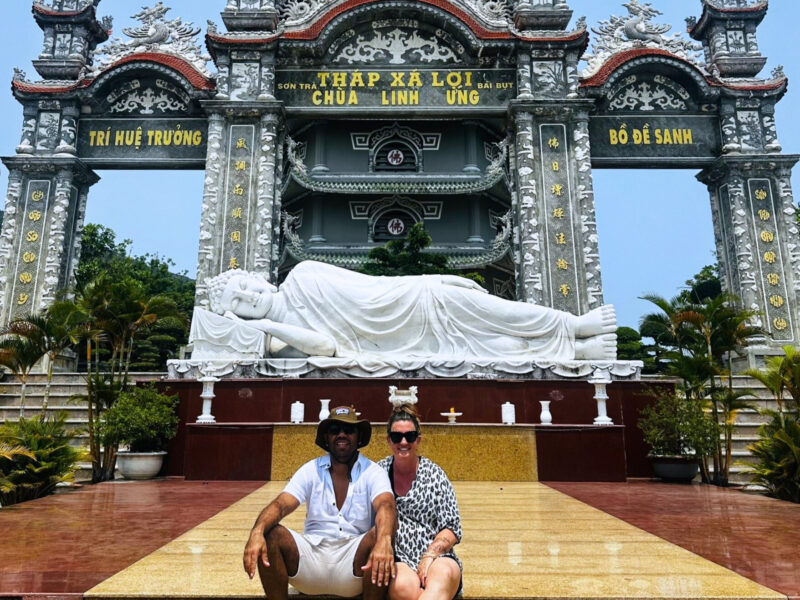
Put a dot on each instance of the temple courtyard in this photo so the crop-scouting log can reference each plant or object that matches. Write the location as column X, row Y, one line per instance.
column 171, row 538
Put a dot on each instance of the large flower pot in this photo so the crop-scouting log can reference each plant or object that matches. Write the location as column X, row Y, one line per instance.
column 140, row 465
column 677, row 469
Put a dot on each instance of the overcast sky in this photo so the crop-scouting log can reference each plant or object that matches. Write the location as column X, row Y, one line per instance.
column 655, row 226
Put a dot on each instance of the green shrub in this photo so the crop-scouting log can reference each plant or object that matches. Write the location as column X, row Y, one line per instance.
column 142, row 418
column 778, row 454
column 47, row 459
column 676, row 426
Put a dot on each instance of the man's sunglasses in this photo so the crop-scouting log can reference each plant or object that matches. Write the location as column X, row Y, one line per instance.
column 336, row 429
column 397, row 436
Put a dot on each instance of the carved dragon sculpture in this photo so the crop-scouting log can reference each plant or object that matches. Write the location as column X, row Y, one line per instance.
column 636, row 31
column 155, row 30
column 637, row 26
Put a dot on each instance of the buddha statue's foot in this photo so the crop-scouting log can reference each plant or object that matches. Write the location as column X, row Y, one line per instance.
column 598, row 347
column 596, row 322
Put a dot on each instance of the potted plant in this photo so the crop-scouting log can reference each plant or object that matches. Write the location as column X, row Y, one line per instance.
column 145, row 420
column 679, row 434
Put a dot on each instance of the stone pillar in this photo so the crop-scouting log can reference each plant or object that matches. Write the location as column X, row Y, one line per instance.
column 529, row 260
column 474, row 220
column 240, row 220
column 267, row 222
column 212, row 199
column 471, row 148
column 320, row 149
column 41, row 231
column 757, row 241
column 558, row 263
column 587, row 225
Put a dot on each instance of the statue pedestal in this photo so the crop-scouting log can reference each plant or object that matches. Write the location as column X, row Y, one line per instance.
column 252, row 417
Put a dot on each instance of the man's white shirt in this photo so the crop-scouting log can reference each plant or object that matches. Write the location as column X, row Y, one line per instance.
column 313, row 485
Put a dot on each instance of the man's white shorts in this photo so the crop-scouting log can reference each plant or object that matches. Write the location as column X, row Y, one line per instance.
column 326, row 568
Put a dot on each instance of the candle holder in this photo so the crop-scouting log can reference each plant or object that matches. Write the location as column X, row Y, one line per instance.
column 451, row 416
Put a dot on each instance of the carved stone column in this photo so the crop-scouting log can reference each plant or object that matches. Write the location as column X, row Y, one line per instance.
column 45, row 206
column 212, row 200
column 757, row 240
column 529, row 262
column 584, row 201
column 558, row 263
column 240, row 221
column 267, row 221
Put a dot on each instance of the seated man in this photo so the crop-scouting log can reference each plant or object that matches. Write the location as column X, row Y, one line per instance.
column 322, row 310
column 346, row 546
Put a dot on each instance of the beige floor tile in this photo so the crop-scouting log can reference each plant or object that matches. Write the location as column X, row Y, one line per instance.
column 521, row 540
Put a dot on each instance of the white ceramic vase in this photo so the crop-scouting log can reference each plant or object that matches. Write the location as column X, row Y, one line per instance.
column 324, row 411
column 545, row 418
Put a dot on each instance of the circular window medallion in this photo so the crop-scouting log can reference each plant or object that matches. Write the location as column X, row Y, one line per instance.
column 396, row 226
column 395, row 157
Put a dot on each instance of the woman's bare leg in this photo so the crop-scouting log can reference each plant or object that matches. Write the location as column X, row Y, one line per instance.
column 443, row 579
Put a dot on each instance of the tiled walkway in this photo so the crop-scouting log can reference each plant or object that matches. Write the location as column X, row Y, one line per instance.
column 522, row 540
column 756, row 536
column 68, row 543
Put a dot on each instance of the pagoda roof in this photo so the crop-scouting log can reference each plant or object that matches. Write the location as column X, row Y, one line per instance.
column 197, row 79
column 49, row 12
column 711, row 9
column 777, row 84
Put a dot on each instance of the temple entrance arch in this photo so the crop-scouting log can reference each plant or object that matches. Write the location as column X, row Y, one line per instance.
column 474, row 117
column 122, row 108
column 655, row 110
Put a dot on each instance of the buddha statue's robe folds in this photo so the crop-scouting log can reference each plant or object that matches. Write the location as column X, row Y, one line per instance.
column 419, row 317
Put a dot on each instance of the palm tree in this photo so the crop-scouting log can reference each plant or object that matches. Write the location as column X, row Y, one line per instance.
column 118, row 312
column 703, row 336
column 790, row 372
column 19, row 355
column 719, row 329
column 778, row 447
column 52, row 333
column 771, row 378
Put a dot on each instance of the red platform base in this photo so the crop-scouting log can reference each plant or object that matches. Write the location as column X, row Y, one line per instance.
column 239, row 445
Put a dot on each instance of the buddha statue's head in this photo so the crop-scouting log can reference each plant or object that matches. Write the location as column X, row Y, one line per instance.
column 247, row 295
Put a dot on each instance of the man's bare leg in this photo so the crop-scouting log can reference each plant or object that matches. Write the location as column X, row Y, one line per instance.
column 596, row 322
column 284, row 559
column 370, row 591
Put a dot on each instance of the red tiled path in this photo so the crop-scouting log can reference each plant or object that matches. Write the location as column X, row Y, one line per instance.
column 755, row 536
column 66, row 544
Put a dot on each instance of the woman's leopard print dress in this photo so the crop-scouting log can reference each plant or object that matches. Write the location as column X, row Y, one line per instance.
column 428, row 507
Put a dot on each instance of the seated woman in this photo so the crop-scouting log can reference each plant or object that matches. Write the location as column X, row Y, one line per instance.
column 429, row 524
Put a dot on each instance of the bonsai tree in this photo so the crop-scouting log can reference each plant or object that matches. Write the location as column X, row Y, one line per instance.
column 143, row 419
column 408, row 257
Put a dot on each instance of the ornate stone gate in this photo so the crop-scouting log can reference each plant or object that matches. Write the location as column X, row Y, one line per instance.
column 332, row 126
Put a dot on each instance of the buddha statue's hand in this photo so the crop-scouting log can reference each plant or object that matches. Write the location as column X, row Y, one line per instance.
column 458, row 281
column 231, row 315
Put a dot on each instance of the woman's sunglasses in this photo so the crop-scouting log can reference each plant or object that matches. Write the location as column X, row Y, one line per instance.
column 336, row 429
column 397, row 436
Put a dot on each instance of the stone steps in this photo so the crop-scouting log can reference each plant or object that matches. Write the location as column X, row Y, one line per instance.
column 64, row 387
